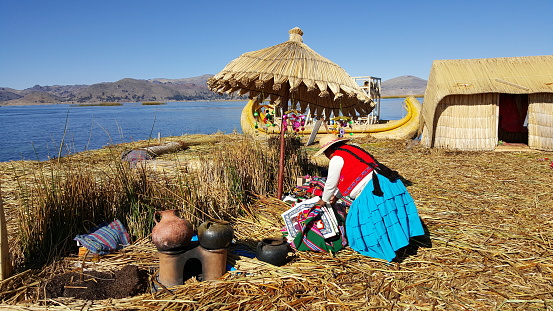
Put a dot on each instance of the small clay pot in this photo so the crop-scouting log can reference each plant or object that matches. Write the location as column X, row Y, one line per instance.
column 273, row 251
column 171, row 232
column 215, row 234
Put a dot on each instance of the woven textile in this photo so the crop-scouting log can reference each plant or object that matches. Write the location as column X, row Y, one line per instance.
column 314, row 187
column 311, row 238
column 105, row 238
column 377, row 226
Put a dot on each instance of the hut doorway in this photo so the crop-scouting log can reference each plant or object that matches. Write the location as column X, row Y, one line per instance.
column 513, row 122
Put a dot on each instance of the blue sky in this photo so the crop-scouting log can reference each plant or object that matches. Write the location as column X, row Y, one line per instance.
column 61, row 42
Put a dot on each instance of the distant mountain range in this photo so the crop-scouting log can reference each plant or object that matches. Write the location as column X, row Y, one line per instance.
column 161, row 90
column 403, row 86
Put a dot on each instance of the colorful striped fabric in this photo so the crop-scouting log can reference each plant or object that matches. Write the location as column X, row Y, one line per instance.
column 105, row 238
column 315, row 186
column 311, row 238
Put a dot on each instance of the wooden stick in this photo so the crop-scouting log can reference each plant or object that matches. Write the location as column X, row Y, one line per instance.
column 282, row 144
column 5, row 262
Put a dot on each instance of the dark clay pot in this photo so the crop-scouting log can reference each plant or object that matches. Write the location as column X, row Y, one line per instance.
column 215, row 234
column 273, row 251
column 171, row 233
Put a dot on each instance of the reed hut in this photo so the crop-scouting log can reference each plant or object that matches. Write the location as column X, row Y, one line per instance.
column 473, row 104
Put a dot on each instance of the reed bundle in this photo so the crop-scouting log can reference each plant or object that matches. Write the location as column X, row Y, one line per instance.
column 488, row 247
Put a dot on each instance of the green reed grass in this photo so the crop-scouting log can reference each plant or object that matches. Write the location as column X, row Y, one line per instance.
column 235, row 175
column 60, row 202
column 67, row 197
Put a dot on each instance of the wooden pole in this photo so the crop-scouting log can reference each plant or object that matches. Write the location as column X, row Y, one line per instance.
column 5, row 260
column 282, row 142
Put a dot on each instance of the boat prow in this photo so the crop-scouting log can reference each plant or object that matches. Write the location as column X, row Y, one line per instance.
column 404, row 128
column 257, row 119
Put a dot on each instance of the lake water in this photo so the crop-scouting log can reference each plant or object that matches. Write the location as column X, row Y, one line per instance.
column 37, row 132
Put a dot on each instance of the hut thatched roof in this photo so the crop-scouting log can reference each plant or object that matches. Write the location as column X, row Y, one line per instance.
column 510, row 75
column 293, row 70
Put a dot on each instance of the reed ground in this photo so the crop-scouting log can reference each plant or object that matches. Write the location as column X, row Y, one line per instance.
column 489, row 219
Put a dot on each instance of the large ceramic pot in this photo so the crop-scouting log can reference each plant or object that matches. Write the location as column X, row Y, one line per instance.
column 171, row 232
column 215, row 234
column 273, row 251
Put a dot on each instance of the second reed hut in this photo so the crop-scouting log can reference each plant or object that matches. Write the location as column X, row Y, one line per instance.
column 472, row 104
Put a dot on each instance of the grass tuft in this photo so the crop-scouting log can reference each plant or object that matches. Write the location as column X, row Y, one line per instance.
column 67, row 196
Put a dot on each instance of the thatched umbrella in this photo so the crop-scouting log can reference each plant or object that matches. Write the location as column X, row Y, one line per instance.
column 292, row 71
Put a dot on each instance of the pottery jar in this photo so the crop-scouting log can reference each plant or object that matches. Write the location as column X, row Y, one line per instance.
column 171, row 232
column 273, row 251
column 215, row 234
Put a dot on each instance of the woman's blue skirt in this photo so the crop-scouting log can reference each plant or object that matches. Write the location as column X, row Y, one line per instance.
column 379, row 226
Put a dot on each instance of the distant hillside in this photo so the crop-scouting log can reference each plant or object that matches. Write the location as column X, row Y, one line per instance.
column 160, row 89
column 9, row 94
column 193, row 80
column 132, row 90
column 404, row 85
column 125, row 90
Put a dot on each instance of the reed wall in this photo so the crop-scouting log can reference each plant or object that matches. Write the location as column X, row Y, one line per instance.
column 503, row 75
column 426, row 140
column 540, row 121
column 465, row 123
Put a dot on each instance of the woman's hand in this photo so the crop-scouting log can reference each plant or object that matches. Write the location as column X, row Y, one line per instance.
column 333, row 200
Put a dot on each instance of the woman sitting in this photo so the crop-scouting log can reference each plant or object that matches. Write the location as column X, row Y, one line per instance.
column 383, row 216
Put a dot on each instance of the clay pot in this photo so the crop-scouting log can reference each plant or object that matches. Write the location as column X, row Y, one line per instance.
column 273, row 251
column 171, row 233
column 215, row 234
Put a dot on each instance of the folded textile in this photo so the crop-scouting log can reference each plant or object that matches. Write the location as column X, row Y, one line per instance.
column 314, row 227
column 105, row 238
column 315, row 186
column 295, row 218
column 311, row 238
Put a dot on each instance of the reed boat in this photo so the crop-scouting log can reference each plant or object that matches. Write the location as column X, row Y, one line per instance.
column 261, row 119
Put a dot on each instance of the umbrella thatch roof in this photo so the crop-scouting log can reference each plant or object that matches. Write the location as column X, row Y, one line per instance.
column 292, row 70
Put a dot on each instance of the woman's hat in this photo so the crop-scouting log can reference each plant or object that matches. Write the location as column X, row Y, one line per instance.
column 327, row 141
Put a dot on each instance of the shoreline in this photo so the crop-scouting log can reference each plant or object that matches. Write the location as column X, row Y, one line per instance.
column 97, row 103
column 170, row 101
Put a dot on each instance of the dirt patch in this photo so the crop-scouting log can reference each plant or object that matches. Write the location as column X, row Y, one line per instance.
column 91, row 285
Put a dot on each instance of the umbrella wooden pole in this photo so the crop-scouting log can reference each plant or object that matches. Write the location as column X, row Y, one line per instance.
column 282, row 144
column 281, row 161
